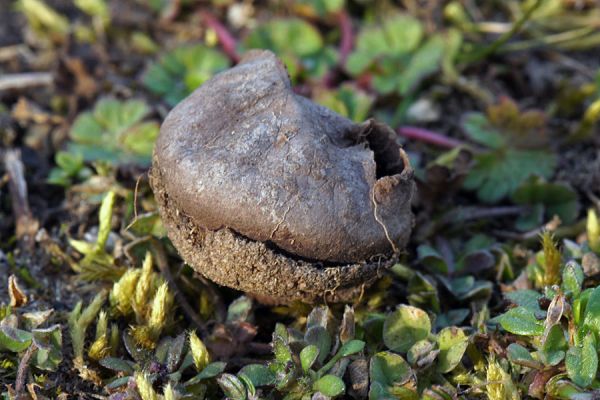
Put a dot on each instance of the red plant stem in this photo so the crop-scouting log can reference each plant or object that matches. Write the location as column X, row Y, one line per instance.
column 347, row 36
column 427, row 136
column 346, row 45
column 226, row 39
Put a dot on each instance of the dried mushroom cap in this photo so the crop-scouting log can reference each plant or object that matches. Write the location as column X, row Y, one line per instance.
column 256, row 183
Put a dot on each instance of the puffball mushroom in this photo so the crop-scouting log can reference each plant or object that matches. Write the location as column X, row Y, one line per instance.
column 264, row 191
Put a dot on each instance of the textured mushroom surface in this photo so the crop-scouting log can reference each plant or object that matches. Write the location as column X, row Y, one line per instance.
column 291, row 191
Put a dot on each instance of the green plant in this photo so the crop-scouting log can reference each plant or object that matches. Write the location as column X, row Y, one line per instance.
column 397, row 54
column 70, row 167
column 347, row 100
column 545, row 200
column 177, row 73
column 298, row 43
column 97, row 263
column 562, row 335
column 114, row 131
column 316, row 361
column 21, row 333
column 516, row 149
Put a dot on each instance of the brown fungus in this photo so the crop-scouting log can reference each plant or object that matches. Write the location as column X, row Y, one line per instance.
column 264, row 191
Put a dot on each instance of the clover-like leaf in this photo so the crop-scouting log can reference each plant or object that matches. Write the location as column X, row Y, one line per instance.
column 404, row 327
column 308, row 356
column 258, row 374
column 330, row 385
column 521, row 356
column 13, row 339
column 389, row 369
column 396, row 36
column 298, row 43
column 452, row 343
column 113, row 131
column 178, row 72
column 499, row 173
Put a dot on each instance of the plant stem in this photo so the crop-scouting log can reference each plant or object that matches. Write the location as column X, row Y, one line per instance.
column 427, row 136
column 347, row 36
column 226, row 39
column 505, row 37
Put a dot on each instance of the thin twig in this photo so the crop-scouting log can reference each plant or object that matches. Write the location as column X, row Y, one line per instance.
column 26, row 225
column 464, row 214
column 25, row 80
column 188, row 310
column 427, row 136
column 226, row 39
column 22, row 370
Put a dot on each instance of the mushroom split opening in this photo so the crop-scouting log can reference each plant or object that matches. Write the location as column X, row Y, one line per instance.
column 281, row 197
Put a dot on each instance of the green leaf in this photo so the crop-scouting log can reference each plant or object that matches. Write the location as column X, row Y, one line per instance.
column 389, row 369
column 233, row 387
column 422, row 354
column 526, row 298
column 582, row 362
column 477, row 127
column 521, row 321
column 572, row 278
column 553, row 198
column 432, row 259
column 13, row 339
column 49, row 343
column 452, row 343
column 319, row 336
column 292, row 35
column 140, row 138
column 423, row 293
column 351, row 347
column 499, row 173
column 520, row 355
column 113, row 131
column 347, row 100
column 423, row 63
column 330, row 385
column 404, row 327
column 554, row 347
column 117, row 365
column 210, row 371
column 308, row 356
column 239, row 309
column 258, row 374
column 177, row 73
column 280, row 345
column 298, row 43
column 591, row 318
column 396, row 36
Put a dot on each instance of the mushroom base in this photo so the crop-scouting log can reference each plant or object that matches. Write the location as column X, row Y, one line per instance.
column 232, row 260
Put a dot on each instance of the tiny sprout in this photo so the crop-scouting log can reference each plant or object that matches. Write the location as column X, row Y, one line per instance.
column 593, row 230
column 161, row 309
column 199, row 352
column 144, row 387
